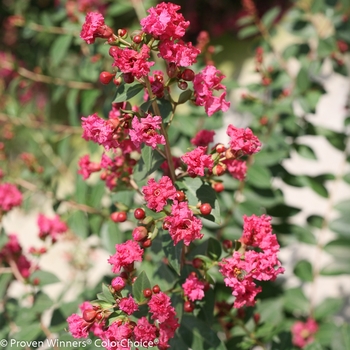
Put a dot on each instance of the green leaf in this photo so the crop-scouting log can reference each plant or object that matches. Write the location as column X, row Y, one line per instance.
column 59, row 49
column 28, row 333
column 245, row 20
column 303, row 234
column 341, row 226
column 72, row 106
column 283, row 210
column 336, row 268
column 108, row 297
column 119, row 9
column 247, row 32
column 185, row 96
column 326, row 47
column 336, row 139
column 343, row 207
column 127, row 91
column 78, row 223
column 198, row 335
column 259, row 176
column 305, row 151
column 316, row 184
column 339, row 248
column 270, row 16
column 151, row 159
column 44, row 277
column 214, row 249
column 5, row 279
column 89, row 98
column 296, row 301
column 328, row 307
column 303, row 270
column 315, row 221
column 165, row 108
column 341, row 340
column 346, row 178
column 303, row 80
column 111, row 235
column 42, row 303
column 142, row 282
column 172, row 253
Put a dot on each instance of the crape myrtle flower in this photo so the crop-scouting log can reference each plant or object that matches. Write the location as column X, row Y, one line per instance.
column 205, row 84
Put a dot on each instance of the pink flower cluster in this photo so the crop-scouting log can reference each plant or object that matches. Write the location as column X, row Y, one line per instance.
column 243, row 141
column 203, row 138
column 144, row 131
column 131, row 61
column 126, row 254
column 51, row 227
column 303, row 332
column 162, row 311
column 94, row 27
column 12, row 252
column 164, row 22
column 182, row 224
column 241, row 270
column 99, row 130
column 157, row 194
column 87, row 167
column 193, row 288
column 205, row 84
column 237, row 168
column 197, row 160
column 10, row 197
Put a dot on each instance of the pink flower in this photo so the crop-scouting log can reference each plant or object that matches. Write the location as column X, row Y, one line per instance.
column 180, row 53
column 94, row 27
column 77, row 326
column 303, row 332
column 118, row 283
column 237, row 277
column 131, row 61
column 164, row 22
column 126, row 254
column 157, row 194
column 24, row 266
column 243, row 141
column 51, row 227
column 205, row 83
column 12, row 246
column 160, row 307
column 183, row 225
column 197, row 160
column 115, row 334
column 237, row 168
column 87, row 167
column 144, row 331
column 203, row 138
column 128, row 305
column 99, row 130
column 10, row 197
column 167, row 330
column 144, row 131
column 193, row 288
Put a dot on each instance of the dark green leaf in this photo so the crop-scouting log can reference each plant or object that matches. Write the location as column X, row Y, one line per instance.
column 165, row 108
column 303, row 270
column 247, row 32
column 315, row 221
column 185, row 96
column 59, row 48
column 172, row 253
column 305, row 151
column 108, row 297
column 303, row 80
column 42, row 303
column 127, row 91
column 150, row 161
column 328, row 307
column 283, row 210
column 198, row 335
column 270, row 16
column 44, row 277
column 214, row 249
column 142, row 282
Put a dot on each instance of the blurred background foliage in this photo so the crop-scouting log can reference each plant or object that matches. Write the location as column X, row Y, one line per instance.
column 49, row 79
